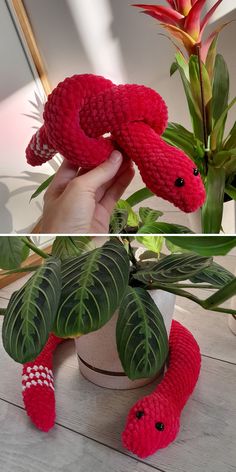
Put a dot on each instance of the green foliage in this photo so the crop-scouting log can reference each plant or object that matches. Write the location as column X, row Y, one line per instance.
column 220, row 88
column 147, row 215
column 205, row 245
column 119, row 219
column 70, row 246
column 42, row 187
column 141, row 335
column 215, row 275
column 194, row 113
column 173, row 268
column 163, row 228
column 133, row 219
column 13, row 252
column 92, row 288
column 153, row 243
column 31, row 312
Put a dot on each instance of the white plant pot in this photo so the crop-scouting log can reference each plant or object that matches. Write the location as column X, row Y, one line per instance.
column 228, row 221
column 97, row 353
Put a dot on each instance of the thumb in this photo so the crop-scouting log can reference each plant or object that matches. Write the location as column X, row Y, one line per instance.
column 103, row 173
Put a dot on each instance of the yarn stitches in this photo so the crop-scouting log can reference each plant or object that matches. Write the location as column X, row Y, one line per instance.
column 153, row 422
column 83, row 108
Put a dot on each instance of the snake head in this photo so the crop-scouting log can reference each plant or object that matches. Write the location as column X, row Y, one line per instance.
column 153, row 423
column 170, row 174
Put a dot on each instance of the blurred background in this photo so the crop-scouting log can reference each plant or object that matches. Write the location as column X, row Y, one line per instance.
column 105, row 37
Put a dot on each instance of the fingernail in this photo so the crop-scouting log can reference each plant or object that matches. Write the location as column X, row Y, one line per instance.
column 115, row 157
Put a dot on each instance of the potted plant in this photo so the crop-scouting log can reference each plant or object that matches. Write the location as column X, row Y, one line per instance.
column 77, row 289
column 205, row 79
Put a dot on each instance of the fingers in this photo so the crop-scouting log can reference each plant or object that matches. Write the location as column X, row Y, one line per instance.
column 64, row 175
column 115, row 192
column 103, row 173
column 126, row 164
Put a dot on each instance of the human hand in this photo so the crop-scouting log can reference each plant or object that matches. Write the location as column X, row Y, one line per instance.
column 77, row 202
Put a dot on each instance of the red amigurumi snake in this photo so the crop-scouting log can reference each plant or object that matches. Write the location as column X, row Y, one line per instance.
column 153, row 422
column 83, row 108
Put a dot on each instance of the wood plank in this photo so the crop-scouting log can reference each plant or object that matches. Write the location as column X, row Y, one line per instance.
column 25, row 449
column 32, row 260
column 207, row 438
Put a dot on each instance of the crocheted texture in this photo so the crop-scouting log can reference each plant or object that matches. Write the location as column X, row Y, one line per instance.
column 154, row 421
column 83, row 108
column 38, row 387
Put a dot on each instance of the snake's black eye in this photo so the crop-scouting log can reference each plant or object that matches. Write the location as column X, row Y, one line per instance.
column 139, row 414
column 160, row 426
column 195, row 171
column 179, row 182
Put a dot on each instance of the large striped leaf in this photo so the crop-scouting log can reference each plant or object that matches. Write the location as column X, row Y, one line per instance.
column 31, row 312
column 92, row 288
column 215, row 275
column 70, row 246
column 142, row 340
column 13, row 252
column 172, row 268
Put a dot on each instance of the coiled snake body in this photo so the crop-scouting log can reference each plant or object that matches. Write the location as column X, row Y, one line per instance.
column 83, row 108
column 153, row 422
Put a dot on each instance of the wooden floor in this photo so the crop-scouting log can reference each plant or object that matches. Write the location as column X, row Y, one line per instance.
column 90, row 419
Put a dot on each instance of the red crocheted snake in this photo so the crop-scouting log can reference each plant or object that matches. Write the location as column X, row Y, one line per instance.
column 83, row 108
column 153, row 422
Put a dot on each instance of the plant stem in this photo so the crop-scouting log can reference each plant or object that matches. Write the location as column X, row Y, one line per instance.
column 2, row 311
column 22, row 270
column 139, row 196
column 205, row 286
column 204, row 114
column 131, row 254
column 31, row 245
column 221, row 295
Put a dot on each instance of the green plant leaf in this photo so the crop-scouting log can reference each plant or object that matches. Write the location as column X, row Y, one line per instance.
column 212, row 210
column 220, row 88
column 92, row 288
column 31, row 312
column 216, row 134
column 173, row 68
column 195, row 83
column 133, row 219
column 42, row 187
column 118, row 220
column 163, row 228
column 178, row 136
column 211, row 57
column 142, row 340
column 139, row 196
column 148, row 255
column 147, row 215
column 231, row 191
column 215, row 275
column 194, row 114
column 205, row 245
column 172, row 268
column 230, row 141
column 13, row 251
column 153, row 243
column 70, row 246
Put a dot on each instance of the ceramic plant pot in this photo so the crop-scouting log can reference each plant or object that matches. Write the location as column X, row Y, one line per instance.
column 228, row 221
column 97, row 353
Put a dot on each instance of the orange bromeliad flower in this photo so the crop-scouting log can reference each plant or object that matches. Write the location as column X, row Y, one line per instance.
column 183, row 19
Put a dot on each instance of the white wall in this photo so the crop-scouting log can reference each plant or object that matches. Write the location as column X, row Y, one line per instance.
column 17, row 87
